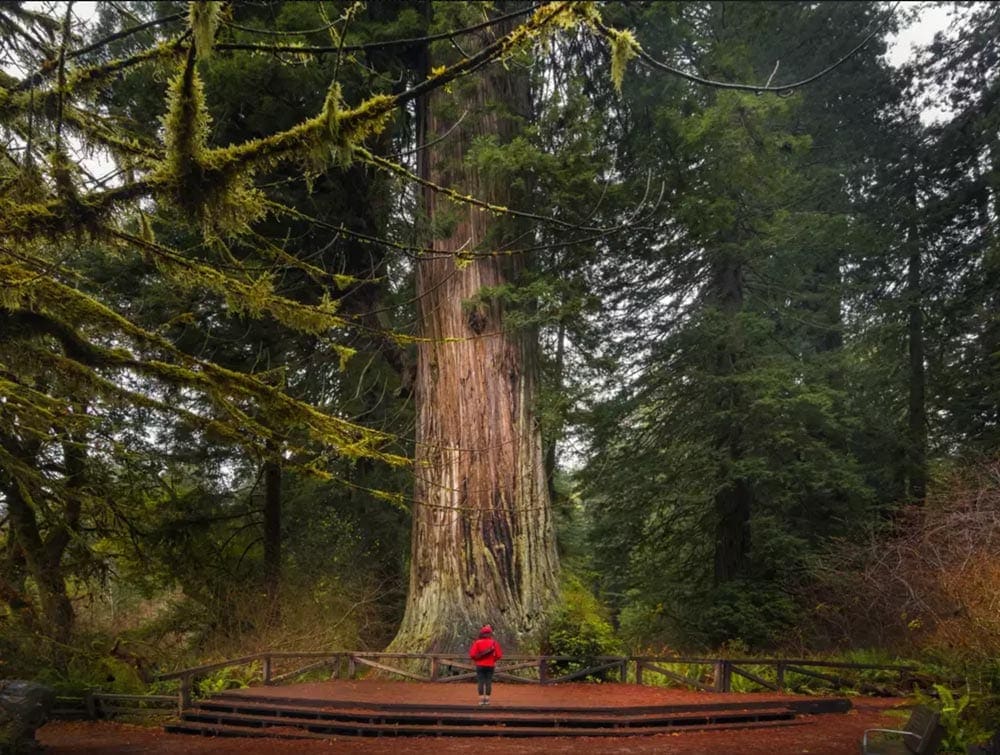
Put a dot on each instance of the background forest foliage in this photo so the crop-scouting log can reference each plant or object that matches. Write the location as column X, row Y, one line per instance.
column 770, row 346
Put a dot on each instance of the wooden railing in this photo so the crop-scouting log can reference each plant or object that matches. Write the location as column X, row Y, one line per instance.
column 94, row 704
column 709, row 674
column 716, row 674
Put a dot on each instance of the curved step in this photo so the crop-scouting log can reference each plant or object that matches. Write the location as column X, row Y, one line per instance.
column 331, row 721
column 813, row 705
column 223, row 711
column 362, row 730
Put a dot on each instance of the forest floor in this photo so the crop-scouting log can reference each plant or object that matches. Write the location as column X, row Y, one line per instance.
column 828, row 734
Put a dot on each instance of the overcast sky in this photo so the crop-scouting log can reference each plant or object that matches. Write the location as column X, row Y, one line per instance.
column 932, row 18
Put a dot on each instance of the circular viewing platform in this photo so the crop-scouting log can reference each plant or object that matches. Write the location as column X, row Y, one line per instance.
column 377, row 708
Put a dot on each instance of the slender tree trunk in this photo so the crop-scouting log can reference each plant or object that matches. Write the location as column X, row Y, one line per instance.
column 550, row 451
column 13, row 574
column 483, row 547
column 272, row 536
column 733, row 506
column 733, row 500
column 43, row 563
column 917, row 410
column 42, row 547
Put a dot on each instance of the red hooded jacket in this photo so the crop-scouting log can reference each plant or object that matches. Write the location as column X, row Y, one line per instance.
column 483, row 644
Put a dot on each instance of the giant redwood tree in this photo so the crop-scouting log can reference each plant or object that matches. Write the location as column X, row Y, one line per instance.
column 483, row 544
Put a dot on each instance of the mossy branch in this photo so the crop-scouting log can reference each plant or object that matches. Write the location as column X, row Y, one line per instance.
column 227, row 388
column 467, row 199
column 216, row 182
column 203, row 19
column 251, row 298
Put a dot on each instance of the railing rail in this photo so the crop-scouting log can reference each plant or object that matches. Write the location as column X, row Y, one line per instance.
column 277, row 666
column 710, row 674
column 95, row 704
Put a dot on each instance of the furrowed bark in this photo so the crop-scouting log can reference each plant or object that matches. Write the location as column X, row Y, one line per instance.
column 483, row 545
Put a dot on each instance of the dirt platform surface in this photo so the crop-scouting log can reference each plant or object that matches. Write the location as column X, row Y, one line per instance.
column 828, row 734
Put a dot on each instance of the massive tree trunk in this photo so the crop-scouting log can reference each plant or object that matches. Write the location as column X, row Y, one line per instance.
column 483, row 547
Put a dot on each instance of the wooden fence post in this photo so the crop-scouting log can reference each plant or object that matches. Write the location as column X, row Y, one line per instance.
column 435, row 668
column 352, row 667
column 638, row 671
column 267, row 670
column 543, row 670
column 624, row 670
column 781, row 675
column 335, row 666
column 90, row 703
column 722, row 676
column 185, row 696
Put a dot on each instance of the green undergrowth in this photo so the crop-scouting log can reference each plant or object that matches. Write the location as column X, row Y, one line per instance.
column 579, row 628
column 226, row 678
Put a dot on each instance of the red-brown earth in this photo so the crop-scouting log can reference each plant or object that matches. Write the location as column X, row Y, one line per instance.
column 827, row 734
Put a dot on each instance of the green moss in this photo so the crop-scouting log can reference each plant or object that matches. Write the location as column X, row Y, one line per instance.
column 624, row 47
column 79, row 80
column 203, row 18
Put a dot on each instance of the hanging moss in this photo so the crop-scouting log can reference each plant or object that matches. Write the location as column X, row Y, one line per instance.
column 624, row 47
column 203, row 18
column 224, row 386
column 185, row 127
column 25, row 220
column 84, row 78
column 565, row 16
column 62, row 171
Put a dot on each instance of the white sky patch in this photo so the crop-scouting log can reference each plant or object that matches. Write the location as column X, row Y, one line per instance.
column 930, row 18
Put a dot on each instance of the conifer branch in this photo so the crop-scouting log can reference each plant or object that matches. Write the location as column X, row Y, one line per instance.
column 457, row 196
column 251, row 299
column 370, row 117
column 613, row 35
column 124, row 33
column 222, row 385
column 101, row 73
column 366, row 47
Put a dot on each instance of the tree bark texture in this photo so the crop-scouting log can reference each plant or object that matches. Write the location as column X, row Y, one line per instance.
column 483, row 545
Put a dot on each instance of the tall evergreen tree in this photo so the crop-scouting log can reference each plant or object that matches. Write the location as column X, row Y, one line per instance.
column 960, row 168
column 737, row 432
column 483, row 547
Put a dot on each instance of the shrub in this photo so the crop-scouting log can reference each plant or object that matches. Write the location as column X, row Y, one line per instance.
column 578, row 627
column 964, row 718
column 229, row 677
column 929, row 585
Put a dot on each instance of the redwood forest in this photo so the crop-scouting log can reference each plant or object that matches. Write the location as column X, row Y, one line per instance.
column 628, row 328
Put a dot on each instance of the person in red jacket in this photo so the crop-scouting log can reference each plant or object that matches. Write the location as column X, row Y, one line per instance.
column 485, row 652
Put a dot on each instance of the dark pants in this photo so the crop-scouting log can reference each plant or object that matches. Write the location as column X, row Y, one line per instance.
column 484, row 679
